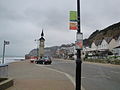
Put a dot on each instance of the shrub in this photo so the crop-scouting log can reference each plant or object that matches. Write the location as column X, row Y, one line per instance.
column 117, row 62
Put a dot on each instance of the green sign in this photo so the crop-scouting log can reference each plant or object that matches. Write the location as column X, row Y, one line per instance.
column 73, row 15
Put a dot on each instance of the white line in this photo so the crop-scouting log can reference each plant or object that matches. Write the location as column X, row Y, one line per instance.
column 114, row 72
column 67, row 75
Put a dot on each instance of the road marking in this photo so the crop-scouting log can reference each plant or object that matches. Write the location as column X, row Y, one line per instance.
column 67, row 75
column 114, row 72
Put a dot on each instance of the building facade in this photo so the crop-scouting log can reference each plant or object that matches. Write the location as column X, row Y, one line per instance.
column 41, row 46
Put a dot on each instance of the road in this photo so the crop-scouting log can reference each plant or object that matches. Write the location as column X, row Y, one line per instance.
column 30, row 76
column 94, row 76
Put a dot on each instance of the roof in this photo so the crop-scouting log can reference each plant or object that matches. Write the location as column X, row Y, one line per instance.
column 42, row 34
column 42, row 39
column 108, row 39
column 98, row 42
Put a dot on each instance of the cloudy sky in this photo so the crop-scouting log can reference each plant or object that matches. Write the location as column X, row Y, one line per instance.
column 21, row 21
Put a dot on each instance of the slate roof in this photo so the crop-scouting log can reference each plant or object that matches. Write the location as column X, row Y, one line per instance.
column 98, row 42
column 108, row 39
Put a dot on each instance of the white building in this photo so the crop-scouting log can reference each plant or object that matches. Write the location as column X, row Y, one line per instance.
column 118, row 41
column 93, row 46
column 116, row 51
column 112, row 44
column 103, row 45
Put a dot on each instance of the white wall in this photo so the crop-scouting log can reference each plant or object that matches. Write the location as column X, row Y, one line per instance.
column 104, row 45
column 118, row 41
column 93, row 46
column 112, row 44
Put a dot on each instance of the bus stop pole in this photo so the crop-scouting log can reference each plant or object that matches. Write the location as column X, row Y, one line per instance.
column 78, row 61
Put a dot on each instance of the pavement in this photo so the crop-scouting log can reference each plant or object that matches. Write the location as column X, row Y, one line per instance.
column 29, row 76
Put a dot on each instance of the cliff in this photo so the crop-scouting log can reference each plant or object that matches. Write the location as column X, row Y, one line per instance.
column 112, row 31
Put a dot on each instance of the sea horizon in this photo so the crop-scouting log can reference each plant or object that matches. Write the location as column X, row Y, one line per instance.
column 10, row 59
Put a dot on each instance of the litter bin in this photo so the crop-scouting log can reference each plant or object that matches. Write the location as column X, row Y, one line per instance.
column 3, row 70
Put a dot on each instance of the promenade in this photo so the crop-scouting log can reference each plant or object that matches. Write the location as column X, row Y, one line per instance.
column 29, row 76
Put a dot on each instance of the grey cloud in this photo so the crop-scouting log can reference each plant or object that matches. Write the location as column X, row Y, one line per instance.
column 21, row 21
column 98, row 14
column 52, row 17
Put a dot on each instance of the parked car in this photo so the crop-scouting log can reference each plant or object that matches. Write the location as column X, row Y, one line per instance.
column 44, row 60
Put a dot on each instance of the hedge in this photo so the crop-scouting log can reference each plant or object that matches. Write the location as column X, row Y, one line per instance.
column 115, row 61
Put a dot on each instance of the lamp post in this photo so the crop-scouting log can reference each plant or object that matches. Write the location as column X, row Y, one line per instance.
column 5, row 43
column 79, row 42
column 37, row 41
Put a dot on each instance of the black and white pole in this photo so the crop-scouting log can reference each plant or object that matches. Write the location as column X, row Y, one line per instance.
column 79, row 40
column 5, row 43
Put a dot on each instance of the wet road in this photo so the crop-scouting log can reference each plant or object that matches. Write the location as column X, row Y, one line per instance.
column 94, row 76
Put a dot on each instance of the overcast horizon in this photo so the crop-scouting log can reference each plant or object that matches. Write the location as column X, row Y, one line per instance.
column 22, row 21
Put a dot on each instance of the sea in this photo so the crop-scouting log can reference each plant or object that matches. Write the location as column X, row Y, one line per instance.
column 11, row 59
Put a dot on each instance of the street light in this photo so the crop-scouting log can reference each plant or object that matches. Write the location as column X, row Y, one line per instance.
column 5, row 43
column 37, row 40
